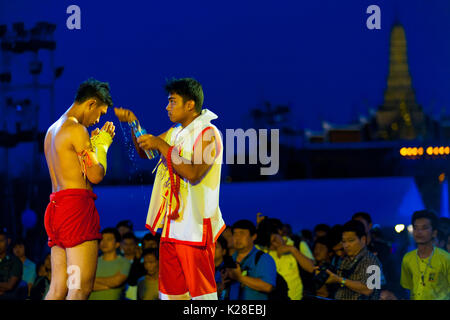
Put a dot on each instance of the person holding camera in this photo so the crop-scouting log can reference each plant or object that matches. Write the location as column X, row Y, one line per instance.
column 251, row 278
column 358, row 269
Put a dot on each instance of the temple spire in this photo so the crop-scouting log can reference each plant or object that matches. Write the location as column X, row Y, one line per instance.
column 399, row 117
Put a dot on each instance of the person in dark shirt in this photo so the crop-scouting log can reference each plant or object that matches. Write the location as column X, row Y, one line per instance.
column 391, row 289
column 359, row 267
column 11, row 268
column 131, row 252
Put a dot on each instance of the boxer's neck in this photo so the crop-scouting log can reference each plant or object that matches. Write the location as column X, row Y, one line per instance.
column 76, row 111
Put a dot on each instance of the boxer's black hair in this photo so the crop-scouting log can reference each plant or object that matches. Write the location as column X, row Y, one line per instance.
column 92, row 88
column 188, row 89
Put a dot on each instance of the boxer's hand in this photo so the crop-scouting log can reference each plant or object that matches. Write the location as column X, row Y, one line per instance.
column 109, row 128
column 95, row 132
column 148, row 142
column 125, row 115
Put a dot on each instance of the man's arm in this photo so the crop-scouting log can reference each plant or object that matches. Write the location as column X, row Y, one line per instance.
column 306, row 263
column 203, row 156
column 356, row 286
column 99, row 287
column 115, row 281
column 251, row 282
column 255, row 284
column 141, row 151
column 10, row 284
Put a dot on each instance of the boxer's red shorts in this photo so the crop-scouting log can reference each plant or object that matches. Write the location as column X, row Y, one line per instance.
column 71, row 218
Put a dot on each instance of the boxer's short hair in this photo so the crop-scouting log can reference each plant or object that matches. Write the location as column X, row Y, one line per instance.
column 92, row 88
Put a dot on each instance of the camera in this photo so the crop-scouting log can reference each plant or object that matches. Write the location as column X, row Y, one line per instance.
column 321, row 277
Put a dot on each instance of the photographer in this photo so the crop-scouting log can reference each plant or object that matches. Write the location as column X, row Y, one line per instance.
column 322, row 256
column 353, row 272
column 251, row 279
column 287, row 257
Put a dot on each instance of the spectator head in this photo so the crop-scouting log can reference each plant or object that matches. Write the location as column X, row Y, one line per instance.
column 321, row 230
column 306, row 235
column 244, row 235
column 228, row 235
column 151, row 259
column 221, row 250
column 267, row 228
column 124, row 226
column 365, row 218
column 18, row 248
column 48, row 262
column 425, row 226
column 151, row 241
column 287, row 230
column 335, row 241
column 44, row 268
column 110, row 240
column 353, row 237
column 443, row 232
column 320, row 250
column 4, row 242
column 129, row 244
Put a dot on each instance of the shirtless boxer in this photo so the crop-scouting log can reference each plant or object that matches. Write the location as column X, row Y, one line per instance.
column 76, row 160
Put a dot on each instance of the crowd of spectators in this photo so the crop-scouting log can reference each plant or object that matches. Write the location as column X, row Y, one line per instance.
column 262, row 260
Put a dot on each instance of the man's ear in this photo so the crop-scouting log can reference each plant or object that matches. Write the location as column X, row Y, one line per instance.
column 91, row 103
column 117, row 245
column 254, row 237
column 190, row 105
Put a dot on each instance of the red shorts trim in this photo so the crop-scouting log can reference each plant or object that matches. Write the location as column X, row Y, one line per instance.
column 186, row 268
column 71, row 218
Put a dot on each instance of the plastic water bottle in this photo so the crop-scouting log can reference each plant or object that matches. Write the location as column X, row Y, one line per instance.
column 138, row 131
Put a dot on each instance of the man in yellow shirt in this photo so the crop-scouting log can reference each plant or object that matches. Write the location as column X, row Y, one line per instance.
column 426, row 270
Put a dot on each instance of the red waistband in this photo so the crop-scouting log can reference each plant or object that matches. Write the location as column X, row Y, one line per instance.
column 72, row 192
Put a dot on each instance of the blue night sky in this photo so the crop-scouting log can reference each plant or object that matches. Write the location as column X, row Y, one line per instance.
column 318, row 56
